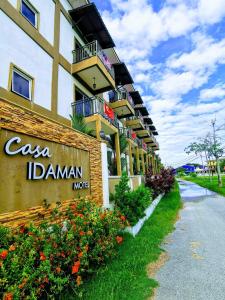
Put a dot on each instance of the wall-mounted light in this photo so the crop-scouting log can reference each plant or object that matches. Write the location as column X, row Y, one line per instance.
column 94, row 83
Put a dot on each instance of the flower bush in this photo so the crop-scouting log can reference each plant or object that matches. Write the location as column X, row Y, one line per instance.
column 41, row 261
column 160, row 183
column 132, row 204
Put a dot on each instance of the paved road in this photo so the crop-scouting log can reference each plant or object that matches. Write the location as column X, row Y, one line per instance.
column 196, row 266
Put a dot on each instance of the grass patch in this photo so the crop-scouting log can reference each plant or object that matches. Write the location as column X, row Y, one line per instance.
column 205, row 182
column 125, row 277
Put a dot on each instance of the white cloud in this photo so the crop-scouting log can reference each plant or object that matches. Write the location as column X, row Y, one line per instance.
column 211, row 12
column 218, row 91
column 137, row 30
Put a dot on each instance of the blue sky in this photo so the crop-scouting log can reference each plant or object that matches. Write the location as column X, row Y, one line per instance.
column 175, row 51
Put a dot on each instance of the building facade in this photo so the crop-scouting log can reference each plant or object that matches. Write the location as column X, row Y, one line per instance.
column 58, row 61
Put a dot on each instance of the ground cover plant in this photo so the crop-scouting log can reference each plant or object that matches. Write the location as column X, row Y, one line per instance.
column 209, row 183
column 41, row 261
column 131, row 204
column 160, row 183
column 126, row 276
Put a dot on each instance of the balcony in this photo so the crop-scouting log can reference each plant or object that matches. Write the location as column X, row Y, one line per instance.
column 143, row 133
column 142, row 145
column 151, row 140
column 122, row 103
column 95, row 109
column 131, row 135
column 136, row 122
column 92, row 67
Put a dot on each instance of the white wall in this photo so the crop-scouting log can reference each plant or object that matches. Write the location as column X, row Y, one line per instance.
column 46, row 9
column 65, row 93
column 105, row 175
column 66, row 45
column 18, row 48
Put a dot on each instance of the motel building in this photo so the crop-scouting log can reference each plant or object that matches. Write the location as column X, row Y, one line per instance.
column 59, row 61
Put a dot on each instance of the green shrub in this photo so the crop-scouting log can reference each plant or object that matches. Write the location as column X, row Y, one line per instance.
column 41, row 261
column 131, row 204
column 193, row 174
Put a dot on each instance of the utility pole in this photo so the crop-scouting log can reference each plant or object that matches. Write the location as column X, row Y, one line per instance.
column 216, row 156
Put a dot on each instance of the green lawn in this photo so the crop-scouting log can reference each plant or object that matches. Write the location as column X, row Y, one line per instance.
column 125, row 277
column 204, row 181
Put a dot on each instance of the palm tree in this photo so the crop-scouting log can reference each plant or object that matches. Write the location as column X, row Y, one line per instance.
column 78, row 123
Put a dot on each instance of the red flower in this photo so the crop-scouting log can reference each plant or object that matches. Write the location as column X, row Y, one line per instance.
column 82, row 233
column 75, row 267
column 119, row 239
column 123, row 218
column 58, row 270
column 80, row 254
column 8, row 296
column 4, row 254
column 22, row 228
column 42, row 256
column 63, row 254
column 73, row 206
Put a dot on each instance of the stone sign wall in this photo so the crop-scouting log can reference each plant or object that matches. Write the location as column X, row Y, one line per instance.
column 41, row 159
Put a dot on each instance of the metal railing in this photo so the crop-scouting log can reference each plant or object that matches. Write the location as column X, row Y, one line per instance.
column 143, row 145
column 117, row 95
column 137, row 116
column 93, row 49
column 129, row 134
column 91, row 106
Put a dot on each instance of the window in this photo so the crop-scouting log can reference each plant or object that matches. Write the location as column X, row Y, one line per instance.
column 21, row 84
column 29, row 12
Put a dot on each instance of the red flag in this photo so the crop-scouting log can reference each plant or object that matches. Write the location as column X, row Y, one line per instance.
column 133, row 135
column 108, row 111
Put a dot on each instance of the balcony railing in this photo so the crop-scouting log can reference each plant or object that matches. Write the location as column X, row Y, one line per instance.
column 143, row 145
column 90, row 50
column 95, row 105
column 117, row 95
column 130, row 134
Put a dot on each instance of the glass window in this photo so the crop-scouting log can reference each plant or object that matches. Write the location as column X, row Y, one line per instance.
column 29, row 13
column 21, row 84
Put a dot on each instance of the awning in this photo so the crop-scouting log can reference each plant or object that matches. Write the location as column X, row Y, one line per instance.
column 90, row 23
column 122, row 75
column 152, row 128
column 136, row 97
column 155, row 133
column 148, row 121
column 143, row 110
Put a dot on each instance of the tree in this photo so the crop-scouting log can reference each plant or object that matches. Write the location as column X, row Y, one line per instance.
column 211, row 147
column 216, row 151
column 78, row 123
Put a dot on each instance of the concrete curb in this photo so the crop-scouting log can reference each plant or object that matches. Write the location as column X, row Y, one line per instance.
column 148, row 212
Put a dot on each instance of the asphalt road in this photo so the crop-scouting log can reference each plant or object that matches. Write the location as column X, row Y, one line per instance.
column 196, row 266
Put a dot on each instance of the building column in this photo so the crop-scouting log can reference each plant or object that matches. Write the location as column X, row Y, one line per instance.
column 118, row 160
column 105, row 176
column 143, row 161
column 98, row 129
column 138, row 161
column 147, row 164
column 153, row 164
column 130, row 158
